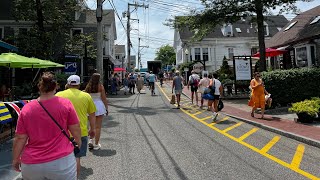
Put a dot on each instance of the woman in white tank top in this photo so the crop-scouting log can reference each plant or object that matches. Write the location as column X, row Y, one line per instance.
column 98, row 94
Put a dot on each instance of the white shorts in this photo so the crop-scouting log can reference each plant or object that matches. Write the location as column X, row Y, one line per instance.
column 101, row 109
column 63, row 168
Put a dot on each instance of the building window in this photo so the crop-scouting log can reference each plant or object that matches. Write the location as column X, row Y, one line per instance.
column 301, row 57
column 1, row 32
column 315, row 20
column 230, row 53
column 76, row 31
column 266, row 30
column 197, row 54
column 117, row 57
column 205, row 54
column 290, row 26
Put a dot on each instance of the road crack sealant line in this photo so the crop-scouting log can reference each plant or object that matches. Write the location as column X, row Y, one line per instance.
column 294, row 165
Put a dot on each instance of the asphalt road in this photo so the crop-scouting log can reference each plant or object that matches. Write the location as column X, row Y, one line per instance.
column 145, row 137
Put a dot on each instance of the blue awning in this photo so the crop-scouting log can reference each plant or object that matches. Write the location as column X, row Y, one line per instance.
column 8, row 46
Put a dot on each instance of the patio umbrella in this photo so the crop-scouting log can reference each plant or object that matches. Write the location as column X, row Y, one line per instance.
column 43, row 64
column 4, row 61
column 270, row 52
column 119, row 69
column 14, row 60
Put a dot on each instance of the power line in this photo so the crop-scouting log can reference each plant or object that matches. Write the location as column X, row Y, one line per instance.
column 114, row 8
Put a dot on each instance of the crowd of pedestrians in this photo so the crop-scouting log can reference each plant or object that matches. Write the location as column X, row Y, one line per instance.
column 52, row 131
column 209, row 87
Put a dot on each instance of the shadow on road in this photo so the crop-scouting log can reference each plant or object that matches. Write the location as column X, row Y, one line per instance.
column 85, row 172
column 104, row 152
column 110, row 124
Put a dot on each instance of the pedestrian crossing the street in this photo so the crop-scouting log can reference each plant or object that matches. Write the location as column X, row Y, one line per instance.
column 269, row 145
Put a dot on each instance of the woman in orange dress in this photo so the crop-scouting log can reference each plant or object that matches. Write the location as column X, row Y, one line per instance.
column 258, row 94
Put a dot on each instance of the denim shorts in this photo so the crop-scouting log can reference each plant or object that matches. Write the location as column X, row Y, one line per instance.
column 83, row 148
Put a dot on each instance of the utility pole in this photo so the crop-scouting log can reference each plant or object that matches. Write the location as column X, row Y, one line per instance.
column 139, row 54
column 128, row 38
column 135, row 5
column 99, row 62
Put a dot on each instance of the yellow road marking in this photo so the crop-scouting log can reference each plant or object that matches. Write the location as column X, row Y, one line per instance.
column 200, row 112
column 216, row 122
column 297, row 157
column 232, row 127
column 203, row 119
column 268, row 146
column 248, row 134
column 255, row 149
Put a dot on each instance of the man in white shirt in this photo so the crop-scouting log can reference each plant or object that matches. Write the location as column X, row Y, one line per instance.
column 194, row 83
column 218, row 91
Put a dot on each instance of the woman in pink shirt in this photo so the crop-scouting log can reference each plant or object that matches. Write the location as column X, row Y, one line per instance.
column 40, row 149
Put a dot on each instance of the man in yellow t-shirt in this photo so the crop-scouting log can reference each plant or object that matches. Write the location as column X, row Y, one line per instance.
column 84, row 106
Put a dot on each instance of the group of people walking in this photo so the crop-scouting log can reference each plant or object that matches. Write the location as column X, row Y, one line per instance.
column 52, row 131
column 211, row 89
column 132, row 81
column 195, row 85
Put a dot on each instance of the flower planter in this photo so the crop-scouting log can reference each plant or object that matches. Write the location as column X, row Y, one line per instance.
column 305, row 118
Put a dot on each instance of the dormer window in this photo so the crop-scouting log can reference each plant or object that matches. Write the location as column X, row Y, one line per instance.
column 228, row 31
column 290, row 26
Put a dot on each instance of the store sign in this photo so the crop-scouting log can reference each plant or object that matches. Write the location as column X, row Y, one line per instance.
column 243, row 70
column 70, row 67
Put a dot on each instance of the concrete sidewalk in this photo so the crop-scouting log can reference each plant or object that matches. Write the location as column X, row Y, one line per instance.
column 282, row 124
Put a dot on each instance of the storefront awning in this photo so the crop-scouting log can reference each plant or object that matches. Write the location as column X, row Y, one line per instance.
column 8, row 46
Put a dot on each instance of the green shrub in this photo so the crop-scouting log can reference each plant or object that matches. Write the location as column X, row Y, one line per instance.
column 294, row 85
column 310, row 107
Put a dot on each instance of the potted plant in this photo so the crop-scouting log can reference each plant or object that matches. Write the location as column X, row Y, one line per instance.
column 307, row 110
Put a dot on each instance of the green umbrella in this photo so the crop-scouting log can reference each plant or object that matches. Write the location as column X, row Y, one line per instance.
column 17, row 61
column 4, row 61
column 43, row 64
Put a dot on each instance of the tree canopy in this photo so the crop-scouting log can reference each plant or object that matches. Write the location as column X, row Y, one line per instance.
column 166, row 55
column 51, row 21
column 219, row 12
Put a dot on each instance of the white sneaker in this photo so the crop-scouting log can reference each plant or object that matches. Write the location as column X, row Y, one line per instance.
column 97, row 147
column 214, row 116
column 90, row 144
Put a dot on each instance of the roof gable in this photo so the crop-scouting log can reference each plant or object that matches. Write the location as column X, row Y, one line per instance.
column 242, row 28
column 300, row 31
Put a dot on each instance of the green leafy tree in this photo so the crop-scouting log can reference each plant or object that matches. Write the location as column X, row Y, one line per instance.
column 76, row 45
column 225, row 68
column 166, row 55
column 50, row 21
column 219, row 12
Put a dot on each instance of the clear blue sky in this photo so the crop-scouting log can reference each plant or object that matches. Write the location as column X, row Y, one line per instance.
column 150, row 27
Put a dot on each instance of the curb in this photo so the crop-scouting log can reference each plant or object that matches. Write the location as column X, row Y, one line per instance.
column 302, row 139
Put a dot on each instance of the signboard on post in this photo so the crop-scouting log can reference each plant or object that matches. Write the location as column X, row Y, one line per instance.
column 70, row 67
column 242, row 69
column 242, row 66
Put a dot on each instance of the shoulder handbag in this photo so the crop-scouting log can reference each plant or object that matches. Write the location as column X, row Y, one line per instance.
column 75, row 145
column 213, row 87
